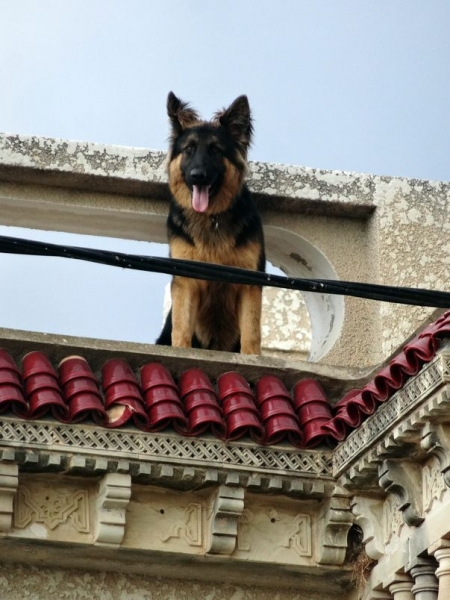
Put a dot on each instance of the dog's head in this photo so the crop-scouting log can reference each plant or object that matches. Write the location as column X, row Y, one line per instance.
column 207, row 159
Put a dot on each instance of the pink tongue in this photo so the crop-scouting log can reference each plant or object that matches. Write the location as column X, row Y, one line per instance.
column 200, row 197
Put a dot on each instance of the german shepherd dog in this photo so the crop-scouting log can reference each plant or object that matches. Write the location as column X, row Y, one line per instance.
column 213, row 218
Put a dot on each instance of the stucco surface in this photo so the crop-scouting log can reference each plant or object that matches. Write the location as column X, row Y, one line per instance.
column 412, row 228
column 19, row 582
column 368, row 228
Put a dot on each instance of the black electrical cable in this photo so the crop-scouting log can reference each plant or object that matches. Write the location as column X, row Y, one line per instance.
column 213, row 272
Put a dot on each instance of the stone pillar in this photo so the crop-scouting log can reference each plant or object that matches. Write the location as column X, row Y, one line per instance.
column 401, row 587
column 441, row 552
column 425, row 581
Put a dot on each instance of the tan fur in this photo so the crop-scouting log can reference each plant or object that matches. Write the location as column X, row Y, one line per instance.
column 223, row 253
column 219, row 314
column 177, row 185
column 216, row 310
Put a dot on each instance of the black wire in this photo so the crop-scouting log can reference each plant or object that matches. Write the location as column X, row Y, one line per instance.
column 213, row 272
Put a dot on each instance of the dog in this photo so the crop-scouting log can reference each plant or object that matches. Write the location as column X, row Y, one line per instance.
column 213, row 218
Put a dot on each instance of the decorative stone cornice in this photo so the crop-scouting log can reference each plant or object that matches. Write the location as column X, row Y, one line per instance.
column 395, row 428
column 161, row 447
column 164, row 458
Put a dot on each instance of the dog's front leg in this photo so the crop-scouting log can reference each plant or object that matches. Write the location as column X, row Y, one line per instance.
column 250, row 319
column 185, row 300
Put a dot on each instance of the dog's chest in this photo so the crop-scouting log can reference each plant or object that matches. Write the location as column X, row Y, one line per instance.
column 214, row 240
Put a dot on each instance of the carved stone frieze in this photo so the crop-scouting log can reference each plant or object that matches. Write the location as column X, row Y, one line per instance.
column 164, row 520
column 227, row 509
column 189, row 528
column 111, row 504
column 433, row 484
column 392, row 519
column 52, row 506
column 274, row 532
column 436, row 441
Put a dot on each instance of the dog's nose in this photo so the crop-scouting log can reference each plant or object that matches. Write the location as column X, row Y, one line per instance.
column 198, row 175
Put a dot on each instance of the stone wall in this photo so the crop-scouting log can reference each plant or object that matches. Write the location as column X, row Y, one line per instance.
column 20, row 582
column 318, row 224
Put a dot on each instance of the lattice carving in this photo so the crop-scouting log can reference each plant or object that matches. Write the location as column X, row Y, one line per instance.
column 415, row 391
column 162, row 448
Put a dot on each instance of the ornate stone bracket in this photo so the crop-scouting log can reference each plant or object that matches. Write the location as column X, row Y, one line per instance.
column 228, row 507
column 9, row 480
column 436, row 441
column 338, row 520
column 112, row 501
column 403, row 480
column 368, row 514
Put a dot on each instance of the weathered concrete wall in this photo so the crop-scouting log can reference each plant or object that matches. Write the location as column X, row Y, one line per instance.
column 319, row 224
column 411, row 229
column 18, row 582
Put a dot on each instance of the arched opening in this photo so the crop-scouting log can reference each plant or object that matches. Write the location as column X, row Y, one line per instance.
column 296, row 256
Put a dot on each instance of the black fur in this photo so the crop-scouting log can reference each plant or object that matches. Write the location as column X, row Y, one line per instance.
column 212, row 155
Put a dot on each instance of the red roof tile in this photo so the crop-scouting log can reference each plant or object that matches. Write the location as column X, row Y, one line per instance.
column 269, row 414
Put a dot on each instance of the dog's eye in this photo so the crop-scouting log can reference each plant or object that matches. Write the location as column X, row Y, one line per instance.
column 215, row 149
column 189, row 149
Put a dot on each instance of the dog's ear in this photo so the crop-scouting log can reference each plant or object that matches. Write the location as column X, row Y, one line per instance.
column 180, row 115
column 238, row 121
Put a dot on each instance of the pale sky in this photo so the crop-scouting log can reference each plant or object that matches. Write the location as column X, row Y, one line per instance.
column 353, row 85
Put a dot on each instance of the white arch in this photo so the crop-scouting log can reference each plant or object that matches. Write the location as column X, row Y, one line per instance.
column 299, row 258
